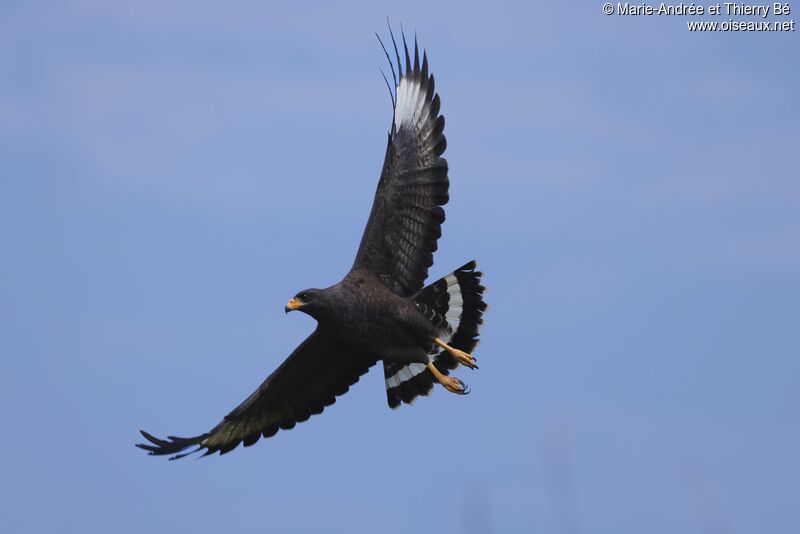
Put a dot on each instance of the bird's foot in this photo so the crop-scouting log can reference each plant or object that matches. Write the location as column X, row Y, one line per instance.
column 450, row 383
column 465, row 359
column 455, row 385
column 461, row 357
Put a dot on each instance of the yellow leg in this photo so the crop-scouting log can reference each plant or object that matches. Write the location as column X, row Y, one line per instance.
column 450, row 383
column 461, row 357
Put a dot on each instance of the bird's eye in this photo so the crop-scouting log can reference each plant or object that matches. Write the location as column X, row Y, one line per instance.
column 304, row 296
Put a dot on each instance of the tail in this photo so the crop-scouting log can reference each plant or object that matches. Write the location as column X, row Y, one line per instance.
column 454, row 304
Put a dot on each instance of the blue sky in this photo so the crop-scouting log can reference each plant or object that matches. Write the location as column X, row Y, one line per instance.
column 170, row 175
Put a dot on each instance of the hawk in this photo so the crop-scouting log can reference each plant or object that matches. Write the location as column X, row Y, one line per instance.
column 380, row 309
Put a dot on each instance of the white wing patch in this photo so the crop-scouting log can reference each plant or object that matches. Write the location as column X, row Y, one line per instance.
column 410, row 103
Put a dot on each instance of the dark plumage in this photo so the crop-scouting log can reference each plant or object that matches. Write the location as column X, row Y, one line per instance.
column 380, row 310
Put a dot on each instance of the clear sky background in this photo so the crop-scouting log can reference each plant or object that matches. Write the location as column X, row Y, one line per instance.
column 171, row 174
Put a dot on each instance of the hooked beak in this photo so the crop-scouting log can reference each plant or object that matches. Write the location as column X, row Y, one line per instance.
column 293, row 304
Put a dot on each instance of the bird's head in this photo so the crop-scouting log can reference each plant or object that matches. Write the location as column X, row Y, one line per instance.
column 310, row 301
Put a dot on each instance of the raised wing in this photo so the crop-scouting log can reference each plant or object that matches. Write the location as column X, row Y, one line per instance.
column 406, row 218
column 318, row 371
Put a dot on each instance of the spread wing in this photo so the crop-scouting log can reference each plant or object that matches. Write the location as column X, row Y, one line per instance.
column 406, row 218
column 318, row 371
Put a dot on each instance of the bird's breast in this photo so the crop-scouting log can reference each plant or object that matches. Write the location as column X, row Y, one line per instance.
column 374, row 319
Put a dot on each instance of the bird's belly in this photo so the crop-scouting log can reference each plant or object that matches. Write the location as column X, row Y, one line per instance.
column 375, row 328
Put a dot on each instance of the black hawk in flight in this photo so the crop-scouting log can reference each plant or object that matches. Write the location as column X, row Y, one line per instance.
column 380, row 310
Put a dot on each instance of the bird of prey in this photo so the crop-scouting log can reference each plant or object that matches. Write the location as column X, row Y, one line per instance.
column 380, row 309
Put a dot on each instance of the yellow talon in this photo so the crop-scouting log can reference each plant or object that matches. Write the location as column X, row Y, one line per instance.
column 461, row 357
column 450, row 383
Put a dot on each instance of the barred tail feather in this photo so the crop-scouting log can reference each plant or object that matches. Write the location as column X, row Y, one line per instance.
column 454, row 304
